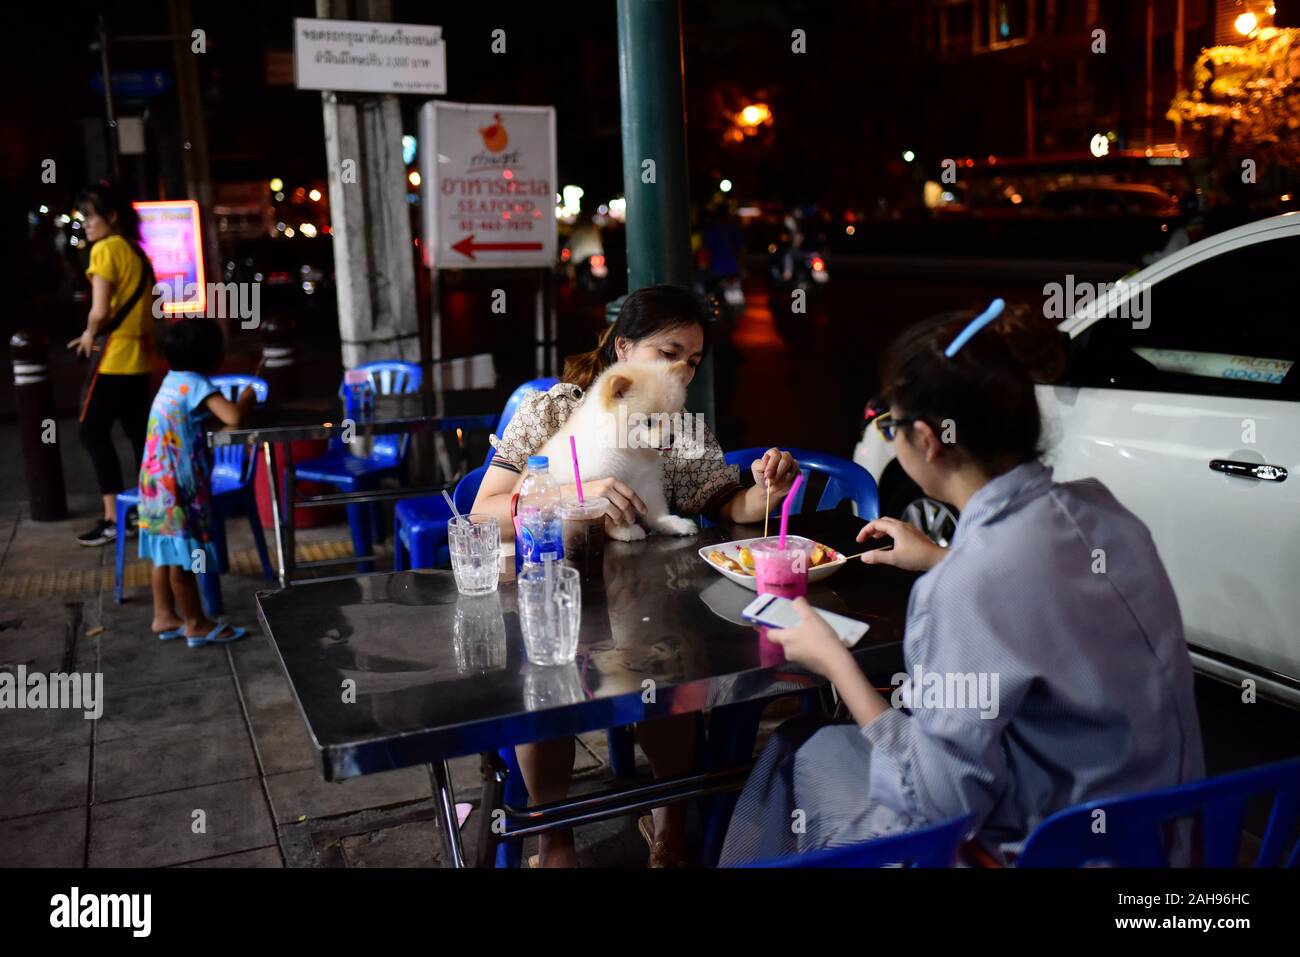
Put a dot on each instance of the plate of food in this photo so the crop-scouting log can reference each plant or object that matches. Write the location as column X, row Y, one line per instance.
column 735, row 561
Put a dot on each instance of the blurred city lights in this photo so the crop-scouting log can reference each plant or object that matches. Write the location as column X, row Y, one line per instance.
column 756, row 114
column 1247, row 24
column 413, row 177
column 725, row 186
column 908, row 156
column 315, row 195
column 277, row 184
column 307, row 229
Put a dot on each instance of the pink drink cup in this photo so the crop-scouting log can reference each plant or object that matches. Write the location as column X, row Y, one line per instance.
column 782, row 572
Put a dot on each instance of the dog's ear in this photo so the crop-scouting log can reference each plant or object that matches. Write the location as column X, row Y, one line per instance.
column 681, row 369
column 617, row 386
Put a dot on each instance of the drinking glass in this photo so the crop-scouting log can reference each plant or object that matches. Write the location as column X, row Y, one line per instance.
column 550, row 613
column 782, row 571
column 475, row 544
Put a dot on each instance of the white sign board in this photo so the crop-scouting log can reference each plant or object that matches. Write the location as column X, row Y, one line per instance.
column 489, row 183
column 355, row 56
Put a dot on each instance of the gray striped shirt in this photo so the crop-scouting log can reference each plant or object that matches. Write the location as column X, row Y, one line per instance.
column 1057, row 590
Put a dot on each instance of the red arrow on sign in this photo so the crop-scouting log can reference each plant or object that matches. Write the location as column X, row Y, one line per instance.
column 467, row 246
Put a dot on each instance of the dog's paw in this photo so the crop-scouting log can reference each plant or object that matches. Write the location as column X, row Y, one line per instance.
column 624, row 533
column 675, row 525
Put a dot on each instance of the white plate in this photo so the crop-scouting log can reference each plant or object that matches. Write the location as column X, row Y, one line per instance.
column 732, row 551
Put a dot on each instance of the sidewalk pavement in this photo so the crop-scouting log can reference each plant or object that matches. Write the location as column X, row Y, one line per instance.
column 200, row 758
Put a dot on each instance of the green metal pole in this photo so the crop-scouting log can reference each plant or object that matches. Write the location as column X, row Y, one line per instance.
column 654, row 158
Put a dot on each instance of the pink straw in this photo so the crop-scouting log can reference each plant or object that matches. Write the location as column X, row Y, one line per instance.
column 785, row 506
column 577, row 476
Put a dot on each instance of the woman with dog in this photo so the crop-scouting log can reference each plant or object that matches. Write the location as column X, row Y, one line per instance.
column 655, row 323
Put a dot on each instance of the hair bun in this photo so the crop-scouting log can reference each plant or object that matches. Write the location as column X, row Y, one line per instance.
column 1034, row 342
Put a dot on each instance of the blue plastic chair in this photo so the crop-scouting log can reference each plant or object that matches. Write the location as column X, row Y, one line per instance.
column 352, row 473
column 846, row 480
column 416, row 517
column 1134, row 824
column 933, row 846
column 420, row 524
column 234, row 469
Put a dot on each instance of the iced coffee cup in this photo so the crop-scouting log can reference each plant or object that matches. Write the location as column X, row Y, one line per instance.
column 582, row 526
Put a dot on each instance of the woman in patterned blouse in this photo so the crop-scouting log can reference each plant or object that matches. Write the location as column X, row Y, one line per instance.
column 655, row 322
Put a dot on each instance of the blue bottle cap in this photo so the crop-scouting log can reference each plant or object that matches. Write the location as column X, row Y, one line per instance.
column 538, row 462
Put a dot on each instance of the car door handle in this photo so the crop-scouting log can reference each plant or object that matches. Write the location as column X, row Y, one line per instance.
column 1252, row 470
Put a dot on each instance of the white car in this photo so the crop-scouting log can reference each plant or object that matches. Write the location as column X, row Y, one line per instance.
column 1191, row 417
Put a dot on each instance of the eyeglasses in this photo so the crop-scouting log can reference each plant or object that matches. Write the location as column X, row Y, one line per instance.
column 887, row 425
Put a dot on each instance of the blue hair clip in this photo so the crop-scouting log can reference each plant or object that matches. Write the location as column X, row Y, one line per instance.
column 979, row 322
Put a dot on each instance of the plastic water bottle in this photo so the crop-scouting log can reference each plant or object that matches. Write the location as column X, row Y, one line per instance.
column 539, row 514
column 358, row 396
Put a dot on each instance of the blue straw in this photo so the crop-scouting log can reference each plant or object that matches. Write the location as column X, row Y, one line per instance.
column 979, row 322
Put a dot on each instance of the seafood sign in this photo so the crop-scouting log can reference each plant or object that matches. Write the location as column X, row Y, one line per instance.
column 489, row 181
column 360, row 57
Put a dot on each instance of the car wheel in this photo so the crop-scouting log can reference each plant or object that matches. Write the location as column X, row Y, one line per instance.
column 937, row 520
column 903, row 499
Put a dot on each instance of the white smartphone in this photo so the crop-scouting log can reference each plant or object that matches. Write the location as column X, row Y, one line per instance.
column 774, row 611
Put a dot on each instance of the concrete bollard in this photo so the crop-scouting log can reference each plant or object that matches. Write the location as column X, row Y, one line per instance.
column 34, row 399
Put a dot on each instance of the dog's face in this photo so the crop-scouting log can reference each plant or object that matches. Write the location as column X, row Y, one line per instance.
column 645, row 401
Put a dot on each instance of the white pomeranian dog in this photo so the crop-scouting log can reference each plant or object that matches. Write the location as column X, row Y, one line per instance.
column 625, row 424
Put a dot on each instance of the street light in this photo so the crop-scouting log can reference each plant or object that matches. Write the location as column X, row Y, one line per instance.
column 276, row 184
column 1247, row 24
column 725, row 186
column 908, row 156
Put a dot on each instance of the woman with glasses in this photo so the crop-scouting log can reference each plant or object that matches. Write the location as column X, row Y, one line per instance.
column 1045, row 658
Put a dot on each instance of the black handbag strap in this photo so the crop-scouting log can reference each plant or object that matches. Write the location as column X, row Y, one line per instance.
column 146, row 282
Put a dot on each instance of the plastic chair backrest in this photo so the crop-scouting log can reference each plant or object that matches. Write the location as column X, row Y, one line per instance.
column 933, row 846
column 388, row 377
column 234, row 459
column 512, row 406
column 1133, row 836
column 845, row 479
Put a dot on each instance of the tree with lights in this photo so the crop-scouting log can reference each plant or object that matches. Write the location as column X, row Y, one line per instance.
column 1247, row 97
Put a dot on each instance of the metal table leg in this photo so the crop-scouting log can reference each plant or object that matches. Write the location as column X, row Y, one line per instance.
column 290, row 493
column 492, row 794
column 444, row 800
column 273, row 493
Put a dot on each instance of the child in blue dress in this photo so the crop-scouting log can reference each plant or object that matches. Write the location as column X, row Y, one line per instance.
column 176, row 482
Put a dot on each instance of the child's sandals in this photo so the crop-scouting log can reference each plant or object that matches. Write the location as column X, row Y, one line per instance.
column 221, row 635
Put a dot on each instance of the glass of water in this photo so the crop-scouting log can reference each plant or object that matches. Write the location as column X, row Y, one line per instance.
column 475, row 544
column 550, row 613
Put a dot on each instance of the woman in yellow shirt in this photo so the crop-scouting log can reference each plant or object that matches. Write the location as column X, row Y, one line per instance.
column 119, row 342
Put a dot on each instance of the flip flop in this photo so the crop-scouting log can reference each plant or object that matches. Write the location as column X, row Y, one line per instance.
column 172, row 633
column 215, row 636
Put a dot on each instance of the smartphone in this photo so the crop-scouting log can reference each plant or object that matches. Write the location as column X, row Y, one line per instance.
column 774, row 611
